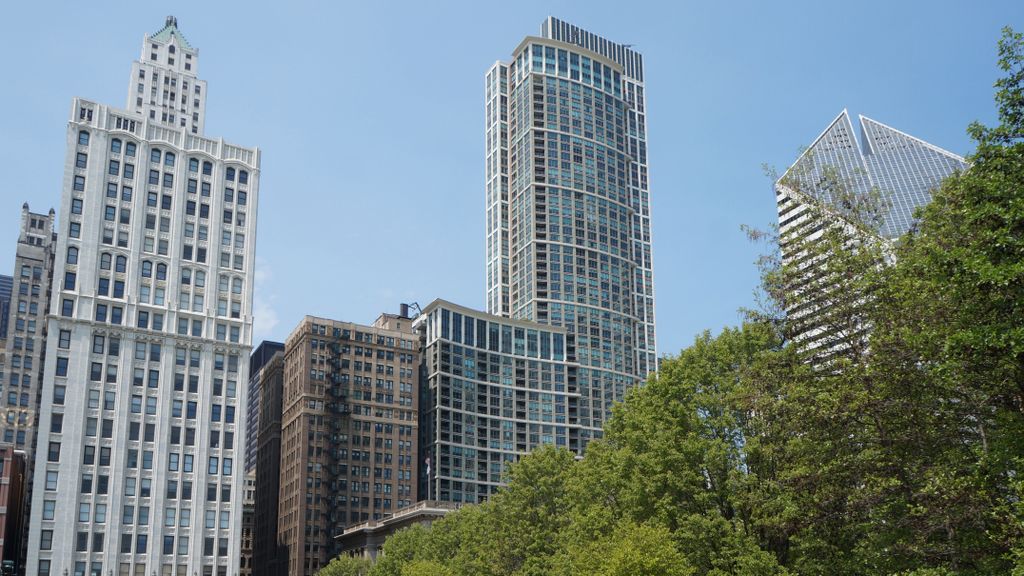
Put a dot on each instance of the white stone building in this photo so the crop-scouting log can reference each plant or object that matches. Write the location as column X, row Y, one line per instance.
column 139, row 459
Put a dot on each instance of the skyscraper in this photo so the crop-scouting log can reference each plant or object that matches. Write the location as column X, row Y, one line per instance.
column 568, row 205
column 25, row 347
column 149, row 336
column 902, row 171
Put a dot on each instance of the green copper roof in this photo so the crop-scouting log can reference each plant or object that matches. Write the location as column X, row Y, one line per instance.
column 171, row 29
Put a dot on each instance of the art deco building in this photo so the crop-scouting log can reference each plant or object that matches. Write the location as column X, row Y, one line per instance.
column 24, row 351
column 348, row 433
column 26, row 329
column 899, row 172
column 138, row 466
column 494, row 389
column 568, row 205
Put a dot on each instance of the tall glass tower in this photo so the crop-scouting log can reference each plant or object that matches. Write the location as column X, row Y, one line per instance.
column 899, row 169
column 568, row 206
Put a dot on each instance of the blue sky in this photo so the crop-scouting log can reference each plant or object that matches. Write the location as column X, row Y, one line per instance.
column 370, row 119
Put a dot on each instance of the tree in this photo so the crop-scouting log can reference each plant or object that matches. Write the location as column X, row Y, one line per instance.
column 347, row 566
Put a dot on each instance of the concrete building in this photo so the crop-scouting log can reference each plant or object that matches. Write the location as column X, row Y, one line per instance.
column 367, row 538
column 13, row 479
column 348, row 432
column 26, row 329
column 568, row 205
column 269, row 558
column 21, row 369
column 150, row 332
column 260, row 356
column 887, row 168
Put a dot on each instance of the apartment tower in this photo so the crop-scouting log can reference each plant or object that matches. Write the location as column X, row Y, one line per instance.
column 568, row 205
column 139, row 459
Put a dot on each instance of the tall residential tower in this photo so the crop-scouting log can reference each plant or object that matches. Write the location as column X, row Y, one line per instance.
column 568, row 205
column 139, row 460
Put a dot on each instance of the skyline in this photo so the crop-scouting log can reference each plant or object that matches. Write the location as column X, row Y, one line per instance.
column 697, row 159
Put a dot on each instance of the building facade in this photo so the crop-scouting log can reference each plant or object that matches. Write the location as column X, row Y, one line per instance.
column 349, row 432
column 269, row 559
column 149, row 337
column 892, row 172
column 493, row 389
column 21, row 369
column 260, row 356
column 568, row 205
column 26, row 329
column 6, row 287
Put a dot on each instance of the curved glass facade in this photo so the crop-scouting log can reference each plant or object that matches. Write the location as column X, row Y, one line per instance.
column 568, row 214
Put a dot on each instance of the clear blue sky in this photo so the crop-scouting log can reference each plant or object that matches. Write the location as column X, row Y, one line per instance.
column 370, row 118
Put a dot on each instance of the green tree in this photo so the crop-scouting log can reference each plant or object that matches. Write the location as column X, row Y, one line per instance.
column 347, row 566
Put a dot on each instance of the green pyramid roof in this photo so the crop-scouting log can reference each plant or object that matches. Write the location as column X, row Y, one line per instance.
column 171, row 29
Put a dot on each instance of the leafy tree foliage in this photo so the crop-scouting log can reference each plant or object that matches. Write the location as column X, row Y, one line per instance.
column 347, row 566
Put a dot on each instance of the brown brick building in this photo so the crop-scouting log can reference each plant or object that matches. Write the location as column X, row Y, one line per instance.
column 348, row 432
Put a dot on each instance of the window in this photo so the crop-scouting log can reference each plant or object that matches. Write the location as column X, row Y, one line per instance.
column 207, row 166
column 121, row 264
column 243, row 177
column 74, row 229
column 115, row 146
column 83, row 137
column 169, row 157
column 49, row 506
column 154, row 155
column 129, row 149
column 72, row 255
column 81, row 160
column 76, row 205
column 79, row 183
column 193, row 165
column 53, row 454
column 46, row 540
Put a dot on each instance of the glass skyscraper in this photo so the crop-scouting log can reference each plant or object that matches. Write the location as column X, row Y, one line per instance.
column 568, row 206
column 902, row 170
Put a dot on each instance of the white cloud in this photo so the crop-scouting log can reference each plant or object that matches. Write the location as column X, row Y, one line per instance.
column 264, row 316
